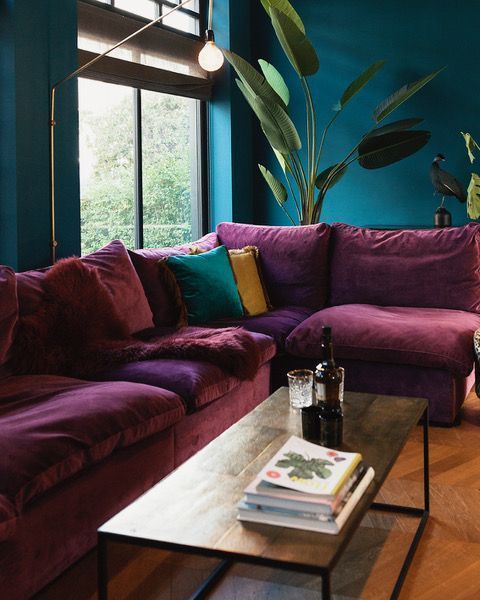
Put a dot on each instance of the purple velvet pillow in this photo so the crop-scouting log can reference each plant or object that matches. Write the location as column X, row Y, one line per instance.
column 424, row 268
column 294, row 260
column 145, row 262
column 120, row 278
column 8, row 310
column 116, row 272
column 30, row 290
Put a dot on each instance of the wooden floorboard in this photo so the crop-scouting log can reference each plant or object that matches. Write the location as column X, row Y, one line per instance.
column 446, row 566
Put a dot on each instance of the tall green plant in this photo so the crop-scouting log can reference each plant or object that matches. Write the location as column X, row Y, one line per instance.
column 268, row 96
column 473, row 192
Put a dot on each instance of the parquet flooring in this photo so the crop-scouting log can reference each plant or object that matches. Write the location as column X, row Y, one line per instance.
column 446, row 565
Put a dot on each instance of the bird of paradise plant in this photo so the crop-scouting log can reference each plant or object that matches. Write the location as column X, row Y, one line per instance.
column 473, row 191
column 268, row 95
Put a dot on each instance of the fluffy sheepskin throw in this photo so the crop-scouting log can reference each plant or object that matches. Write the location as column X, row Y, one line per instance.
column 77, row 332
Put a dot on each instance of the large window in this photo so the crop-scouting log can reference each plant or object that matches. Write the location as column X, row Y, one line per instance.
column 141, row 149
column 140, row 166
column 185, row 19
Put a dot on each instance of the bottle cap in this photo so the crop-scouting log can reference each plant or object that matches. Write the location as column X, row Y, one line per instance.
column 326, row 330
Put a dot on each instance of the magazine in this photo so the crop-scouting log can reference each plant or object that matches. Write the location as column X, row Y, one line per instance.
column 305, row 467
column 307, row 521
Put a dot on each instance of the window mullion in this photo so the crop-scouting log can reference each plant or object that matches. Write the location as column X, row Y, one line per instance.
column 138, row 191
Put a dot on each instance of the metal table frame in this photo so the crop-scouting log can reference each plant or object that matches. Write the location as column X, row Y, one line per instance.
column 228, row 559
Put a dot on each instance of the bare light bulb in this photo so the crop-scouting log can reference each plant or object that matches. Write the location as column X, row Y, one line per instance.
column 210, row 57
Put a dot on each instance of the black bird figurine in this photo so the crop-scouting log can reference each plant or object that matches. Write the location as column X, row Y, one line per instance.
column 447, row 185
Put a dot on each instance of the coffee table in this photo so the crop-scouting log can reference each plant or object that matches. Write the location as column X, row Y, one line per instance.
column 193, row 510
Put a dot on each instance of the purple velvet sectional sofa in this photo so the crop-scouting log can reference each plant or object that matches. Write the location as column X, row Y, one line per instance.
column 403, row 306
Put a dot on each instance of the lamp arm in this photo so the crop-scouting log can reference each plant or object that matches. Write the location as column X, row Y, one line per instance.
column 53, row 89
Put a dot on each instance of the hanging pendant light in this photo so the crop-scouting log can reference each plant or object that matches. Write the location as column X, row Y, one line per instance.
column 210, row 57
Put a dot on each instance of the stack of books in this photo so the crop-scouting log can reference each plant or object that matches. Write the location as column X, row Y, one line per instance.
column 306, row 486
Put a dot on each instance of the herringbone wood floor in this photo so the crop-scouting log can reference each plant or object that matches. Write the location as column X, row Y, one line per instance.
column 446, row 566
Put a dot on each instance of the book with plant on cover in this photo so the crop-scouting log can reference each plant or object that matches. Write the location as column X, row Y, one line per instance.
column 305, row 467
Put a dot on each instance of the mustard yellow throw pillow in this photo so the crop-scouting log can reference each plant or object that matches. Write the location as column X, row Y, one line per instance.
column 249, row 282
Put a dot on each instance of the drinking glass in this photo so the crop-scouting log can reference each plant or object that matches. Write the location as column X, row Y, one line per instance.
column 300, row 387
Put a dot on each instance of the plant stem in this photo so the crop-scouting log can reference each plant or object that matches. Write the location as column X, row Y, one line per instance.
column 299, row 214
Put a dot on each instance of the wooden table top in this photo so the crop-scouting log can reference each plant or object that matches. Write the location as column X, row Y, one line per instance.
column 195, row 506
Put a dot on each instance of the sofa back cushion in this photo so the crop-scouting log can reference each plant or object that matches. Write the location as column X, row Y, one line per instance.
column 294, row 260
column 429, row 268
column 8, row 310
column 116, row 273
column 159, row 298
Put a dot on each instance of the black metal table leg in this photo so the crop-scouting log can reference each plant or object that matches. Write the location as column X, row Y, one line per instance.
column 423, row 513
column 214, row 576
column 326, row 586
column 102, row 568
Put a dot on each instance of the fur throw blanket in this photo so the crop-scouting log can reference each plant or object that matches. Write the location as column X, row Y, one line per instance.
column 77, row 332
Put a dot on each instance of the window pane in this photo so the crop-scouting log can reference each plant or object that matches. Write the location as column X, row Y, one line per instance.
column 144, row 8
column 180, row 20
column 170, row 176
column 106, row 164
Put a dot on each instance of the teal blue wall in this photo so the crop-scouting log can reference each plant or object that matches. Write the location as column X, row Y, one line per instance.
column 37, row 47
column 415, row 38
column 230, row 123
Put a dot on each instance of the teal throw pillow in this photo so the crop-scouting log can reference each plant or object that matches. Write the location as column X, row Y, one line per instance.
column 207, row 284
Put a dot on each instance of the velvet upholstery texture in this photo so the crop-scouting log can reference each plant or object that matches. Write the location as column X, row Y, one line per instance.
column 207, row 284
column 245, row 265
column 277, row 323
column 116, row 272
column 27, row 563
column 294, row 260
column 197, row 382
column 427, row 337
column 145, row 263
column 431, row 268
column 8, row 310
column 54, row 427
column 119, row 276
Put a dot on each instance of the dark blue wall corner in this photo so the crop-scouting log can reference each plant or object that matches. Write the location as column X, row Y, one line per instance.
column 415, row 38
column 230, row 121
column 37, row 42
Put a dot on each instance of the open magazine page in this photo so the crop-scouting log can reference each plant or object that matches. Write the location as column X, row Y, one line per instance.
column 306, row 467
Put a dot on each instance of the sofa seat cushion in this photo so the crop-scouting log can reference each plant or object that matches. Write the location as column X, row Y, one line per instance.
column 425, row 268
column 198, row 382
column 277, row 323
column 294, row 260
column 427, row 337
column 54, row 427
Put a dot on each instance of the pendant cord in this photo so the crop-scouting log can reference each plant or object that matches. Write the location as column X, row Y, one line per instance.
column 210, row 14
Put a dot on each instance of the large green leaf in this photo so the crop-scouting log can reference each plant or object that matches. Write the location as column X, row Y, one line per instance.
column 281, row 160
column 323, row 176
column 276, row 124
column 275, row 80
column 295, row 44
column 276, row 186
column 471, row 144
column 253, row 79
column 400, row 96
column 360, row 82
column 382, row 150
column 400, row 125
column 473, row 197
column 287, row 9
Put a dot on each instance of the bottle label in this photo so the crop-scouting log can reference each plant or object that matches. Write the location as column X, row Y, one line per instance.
column 321, row 392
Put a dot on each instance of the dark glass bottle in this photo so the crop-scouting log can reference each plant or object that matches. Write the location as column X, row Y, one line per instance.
column 328, row 381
